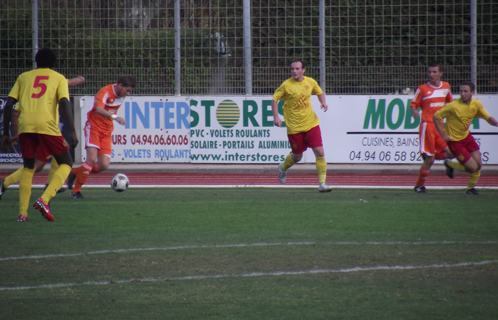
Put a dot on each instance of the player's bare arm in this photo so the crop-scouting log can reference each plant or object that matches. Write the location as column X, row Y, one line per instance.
column 103, row 112
column 276, row 118
column 15, row 126
column 415, row 112
column 440, row 129
column 7, row 117
column 323, row 102
column 75, row 81
column 492, row 121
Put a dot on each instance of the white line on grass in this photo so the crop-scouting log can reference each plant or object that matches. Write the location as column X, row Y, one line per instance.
column 275, row 186
column 413, row 243
column 258, row 244
column 252, row 274
column 63, row 255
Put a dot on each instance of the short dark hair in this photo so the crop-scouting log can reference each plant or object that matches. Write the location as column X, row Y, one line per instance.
column 471, row 86
column 438, row 65
column 302, row 63
column 45, row 58
column 127, row 81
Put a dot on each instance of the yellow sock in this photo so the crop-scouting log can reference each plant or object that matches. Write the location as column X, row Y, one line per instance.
column 25, row 190
column 53, row 168
column 287, row 163
column 321, row 168
column 57, row 181
column 13, row 178
column 456, row 165
column 473, row 179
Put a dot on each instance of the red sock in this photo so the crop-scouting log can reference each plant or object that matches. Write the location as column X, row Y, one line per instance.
column 422, row 175
column 75, row 170
column 81, row 176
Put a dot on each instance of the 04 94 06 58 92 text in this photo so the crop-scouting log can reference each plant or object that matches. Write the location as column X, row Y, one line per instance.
column 384, row 156
column 395, row 156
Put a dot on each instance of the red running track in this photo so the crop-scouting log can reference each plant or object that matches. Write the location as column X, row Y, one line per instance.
column 342, row 180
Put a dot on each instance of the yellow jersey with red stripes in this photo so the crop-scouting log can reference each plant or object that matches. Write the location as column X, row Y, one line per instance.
column 39, row 92
column 298, row 112
column 459, row 116
column 106, row 98
column 431, row 99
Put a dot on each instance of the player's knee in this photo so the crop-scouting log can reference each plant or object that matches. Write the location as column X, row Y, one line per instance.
column 103, row 166
column 429, row 161
column 39, row 166
column 442, row 155
column 472, row 168
column 296, row 157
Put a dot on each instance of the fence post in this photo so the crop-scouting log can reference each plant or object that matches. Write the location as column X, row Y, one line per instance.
column 473, row 43
column 247, row 47
column 34, row 18
column 321, row 43
column 178, row 57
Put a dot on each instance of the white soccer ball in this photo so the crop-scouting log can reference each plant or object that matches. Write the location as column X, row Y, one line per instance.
column 120, row 182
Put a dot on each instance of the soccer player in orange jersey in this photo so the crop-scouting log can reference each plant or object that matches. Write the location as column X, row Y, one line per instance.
column 41, row 93
column 42, row 155
column 98, row 132
column 459, row 115
column 303, row 125
column 430, row 97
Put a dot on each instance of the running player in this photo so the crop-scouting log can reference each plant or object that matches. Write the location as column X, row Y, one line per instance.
column 98, row 132
column 39, row 91
column 42, row 155
column 459, row 115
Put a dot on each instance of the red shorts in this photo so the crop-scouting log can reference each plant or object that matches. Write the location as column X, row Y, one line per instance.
column 51, row 145
column 43, row 154
column 431, row 142
column 462, row 149
column 301, row 141
column 98, row 139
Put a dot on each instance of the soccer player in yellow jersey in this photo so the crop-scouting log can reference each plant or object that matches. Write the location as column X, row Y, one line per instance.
column 42, row 156
column 303, row 125
column 41, row 93
column 459, row 115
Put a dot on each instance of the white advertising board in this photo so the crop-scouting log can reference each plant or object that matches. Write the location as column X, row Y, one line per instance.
column 355, row 129
column 381, row 129
column 239, row 129
column 157, row 129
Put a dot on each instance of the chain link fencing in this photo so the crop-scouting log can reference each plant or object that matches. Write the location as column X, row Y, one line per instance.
column 369, row 47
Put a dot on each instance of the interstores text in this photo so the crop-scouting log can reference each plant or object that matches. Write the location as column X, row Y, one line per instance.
column 238, row 157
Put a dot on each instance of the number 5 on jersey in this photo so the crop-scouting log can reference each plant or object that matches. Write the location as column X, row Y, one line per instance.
column 41, row 85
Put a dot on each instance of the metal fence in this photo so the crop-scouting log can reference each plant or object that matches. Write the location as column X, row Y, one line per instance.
column 218, row 47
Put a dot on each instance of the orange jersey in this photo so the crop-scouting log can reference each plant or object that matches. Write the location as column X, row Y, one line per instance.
column 106, row 99
column 431, row 99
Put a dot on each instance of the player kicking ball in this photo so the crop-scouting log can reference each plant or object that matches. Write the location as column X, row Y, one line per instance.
column 98, row 132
